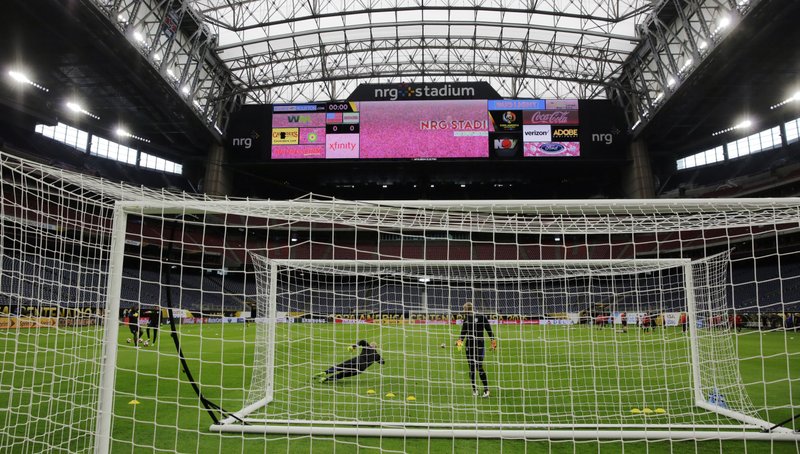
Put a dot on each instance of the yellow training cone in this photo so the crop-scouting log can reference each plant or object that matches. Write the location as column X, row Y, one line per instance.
column 635, row 411
column 647, row 411
column 134, row 402
column 660, row 411
column 370, row 391
column 411, row 398
column 390, row 395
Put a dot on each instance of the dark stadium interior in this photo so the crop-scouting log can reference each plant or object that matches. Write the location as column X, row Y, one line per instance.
column 72, row 49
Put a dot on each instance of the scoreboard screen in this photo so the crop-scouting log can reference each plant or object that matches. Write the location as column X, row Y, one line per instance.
column 426, row 129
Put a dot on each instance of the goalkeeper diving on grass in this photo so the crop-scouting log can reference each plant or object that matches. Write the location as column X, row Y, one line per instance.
column 472, row 334
column 353, row 366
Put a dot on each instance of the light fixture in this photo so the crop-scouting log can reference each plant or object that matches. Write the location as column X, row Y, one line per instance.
column 197, row 104
column 744, row 124
column 157, row 57
column 638, row 122
column 77, row 108
column 557, row 239
column 185, row 90
column 122, row 132
column 463, row 185
column 23, row 78
column 670, row 82
column 686, row 65
column 138, row 36
column 659, row 97
column 424, row 279
column 702, row 45
column 794, row 97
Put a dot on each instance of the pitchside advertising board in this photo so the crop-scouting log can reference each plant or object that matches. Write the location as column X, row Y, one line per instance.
column 422, row 122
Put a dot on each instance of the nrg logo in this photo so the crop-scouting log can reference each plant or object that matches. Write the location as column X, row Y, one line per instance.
column 245, row 142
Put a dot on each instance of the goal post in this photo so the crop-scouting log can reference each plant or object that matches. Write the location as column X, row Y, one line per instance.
column 134, row 319
column 664, row 286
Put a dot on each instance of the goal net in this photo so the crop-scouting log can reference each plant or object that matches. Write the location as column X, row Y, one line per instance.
column 566, row 361
column 135, row 319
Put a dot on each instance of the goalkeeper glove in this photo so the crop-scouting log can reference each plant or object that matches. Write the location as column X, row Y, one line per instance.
column 459, row 343
column 494, row 344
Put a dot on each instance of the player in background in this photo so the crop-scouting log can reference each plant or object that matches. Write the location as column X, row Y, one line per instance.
column 624, row 319
column 353, row 366
column 154, row 323
column 472, row 334
column 645, row 322
column 683, row 321
column 133, row 324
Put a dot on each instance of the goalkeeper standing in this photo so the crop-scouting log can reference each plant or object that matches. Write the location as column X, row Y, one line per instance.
column 472, row 333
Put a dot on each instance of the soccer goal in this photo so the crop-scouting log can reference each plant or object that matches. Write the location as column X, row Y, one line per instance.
column 614, row 319
column 557, row 374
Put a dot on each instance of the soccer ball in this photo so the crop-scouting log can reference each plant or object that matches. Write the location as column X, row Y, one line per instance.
column 129, row 340
column 146, row 343
column 443, row 345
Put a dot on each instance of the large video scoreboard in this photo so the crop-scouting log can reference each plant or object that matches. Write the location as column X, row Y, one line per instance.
column 426, row 129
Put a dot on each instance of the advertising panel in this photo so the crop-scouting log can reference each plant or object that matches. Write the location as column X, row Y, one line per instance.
column 285, row 136
column 536, row 133
column 550, row 117
column 424, row 129
column 506, row 120
column 552, row 149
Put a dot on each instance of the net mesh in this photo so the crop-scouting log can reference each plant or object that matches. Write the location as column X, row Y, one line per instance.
column 266, row 294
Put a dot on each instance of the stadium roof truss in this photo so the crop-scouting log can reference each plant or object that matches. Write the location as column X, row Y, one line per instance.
column 218, row 54
column 298, row 50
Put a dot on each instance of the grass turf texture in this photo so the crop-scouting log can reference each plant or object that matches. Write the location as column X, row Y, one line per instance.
column 531, row 373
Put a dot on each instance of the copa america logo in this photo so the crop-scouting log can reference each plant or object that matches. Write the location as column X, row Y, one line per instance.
column 509, row 117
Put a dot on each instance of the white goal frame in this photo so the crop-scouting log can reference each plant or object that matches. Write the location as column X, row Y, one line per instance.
column 375, row 214
column 240, row 422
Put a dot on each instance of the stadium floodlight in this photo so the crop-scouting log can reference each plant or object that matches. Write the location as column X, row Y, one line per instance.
column 702, row 44
column 685, row 66
column 671, row 82
column 744, row 124
column 795, row 97
column 122, row 132
column 186, row 90
column 138, row 36
column 78, row 108
column 23, row 78
column 723, row 23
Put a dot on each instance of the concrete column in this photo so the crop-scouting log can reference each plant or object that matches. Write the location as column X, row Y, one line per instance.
column 217, row 179
column 639, row 183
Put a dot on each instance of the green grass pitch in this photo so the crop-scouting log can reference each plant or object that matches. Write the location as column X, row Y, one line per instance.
column 534, row 377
